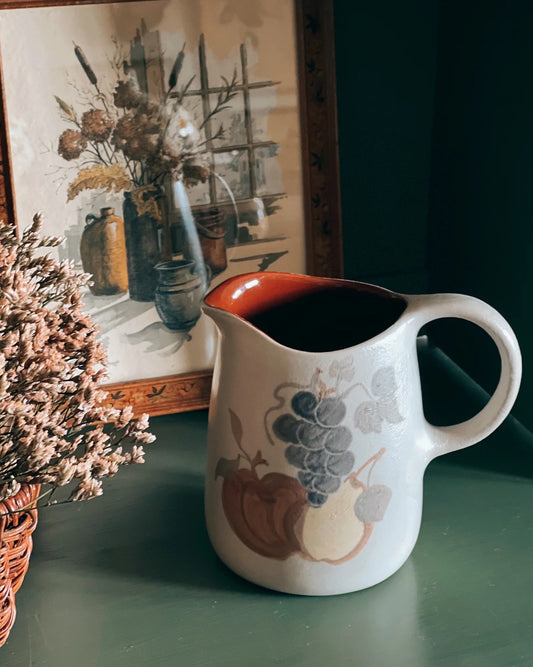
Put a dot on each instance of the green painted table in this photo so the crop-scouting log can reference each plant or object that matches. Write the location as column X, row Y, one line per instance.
column 131, row 579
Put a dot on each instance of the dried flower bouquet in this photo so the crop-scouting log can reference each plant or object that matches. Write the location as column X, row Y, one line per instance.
column 55, row 426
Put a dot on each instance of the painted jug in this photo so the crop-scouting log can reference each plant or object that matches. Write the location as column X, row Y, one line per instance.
column 317, row 440
column 103, row 253
column 211, row 230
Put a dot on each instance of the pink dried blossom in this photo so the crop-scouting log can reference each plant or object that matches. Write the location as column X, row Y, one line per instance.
column 88, row 488
column 125, row 416
column 55, row 427
column 137, row 454
column 142, row 422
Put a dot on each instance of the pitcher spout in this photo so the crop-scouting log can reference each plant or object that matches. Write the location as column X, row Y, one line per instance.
column 227, row 301
column 247, row 295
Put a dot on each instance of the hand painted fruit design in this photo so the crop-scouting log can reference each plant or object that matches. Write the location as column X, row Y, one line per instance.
column 326, row 513
column 317, row 443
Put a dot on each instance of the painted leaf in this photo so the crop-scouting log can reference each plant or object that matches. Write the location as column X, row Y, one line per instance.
column 145, row 201
column 227, row 467
column 348, row 374
column 236, row 426
column 156, row 392
column 334, row 369
column 66, row 109
column 372, row 503
column 258, row 460
column 388, row 410
column 112, row 178
column 367, row 418
column 384, row 382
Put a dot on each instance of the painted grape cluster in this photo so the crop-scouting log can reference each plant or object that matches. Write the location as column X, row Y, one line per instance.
column 318, row 443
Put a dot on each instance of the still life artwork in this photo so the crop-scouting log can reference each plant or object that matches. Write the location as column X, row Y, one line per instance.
column 162, row 141
column 326, row 508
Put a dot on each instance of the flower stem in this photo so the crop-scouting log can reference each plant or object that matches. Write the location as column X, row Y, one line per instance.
column 25, row 507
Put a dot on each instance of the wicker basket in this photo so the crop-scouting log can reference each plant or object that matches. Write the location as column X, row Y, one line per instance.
column 18, row 519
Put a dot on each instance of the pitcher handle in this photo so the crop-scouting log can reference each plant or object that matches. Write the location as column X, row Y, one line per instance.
column 426, row 308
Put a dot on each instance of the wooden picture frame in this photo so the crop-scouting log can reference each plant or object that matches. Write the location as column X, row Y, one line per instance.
column 320, row 175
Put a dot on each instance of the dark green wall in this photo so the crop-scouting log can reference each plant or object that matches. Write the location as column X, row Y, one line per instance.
column 386, row 65
column 435, row 107
column 481, row 197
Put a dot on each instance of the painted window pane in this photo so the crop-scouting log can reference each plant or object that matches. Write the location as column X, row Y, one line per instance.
column 232, row 120
column 268, row 176
column 234, row 168
column 262, row 102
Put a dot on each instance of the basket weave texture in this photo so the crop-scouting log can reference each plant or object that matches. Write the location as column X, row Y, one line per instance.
column 18, row 519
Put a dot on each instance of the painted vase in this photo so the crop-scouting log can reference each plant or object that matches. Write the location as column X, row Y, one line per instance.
column 103, row 253
column 179, row 293
column 142, row 245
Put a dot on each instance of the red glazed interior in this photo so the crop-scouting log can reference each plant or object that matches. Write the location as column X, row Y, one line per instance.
column 309, row 313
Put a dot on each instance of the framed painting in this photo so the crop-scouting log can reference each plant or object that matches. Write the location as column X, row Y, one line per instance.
column 173, row 144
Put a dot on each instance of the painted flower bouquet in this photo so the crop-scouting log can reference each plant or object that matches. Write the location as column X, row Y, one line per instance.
column 142, row 132
column 129, row 139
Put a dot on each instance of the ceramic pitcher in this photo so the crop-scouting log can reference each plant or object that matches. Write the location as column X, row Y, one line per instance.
column 317, row 440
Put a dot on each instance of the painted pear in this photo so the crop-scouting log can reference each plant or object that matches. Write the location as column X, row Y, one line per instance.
column 334, row 533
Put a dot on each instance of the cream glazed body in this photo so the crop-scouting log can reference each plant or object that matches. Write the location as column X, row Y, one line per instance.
column 316, row 459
